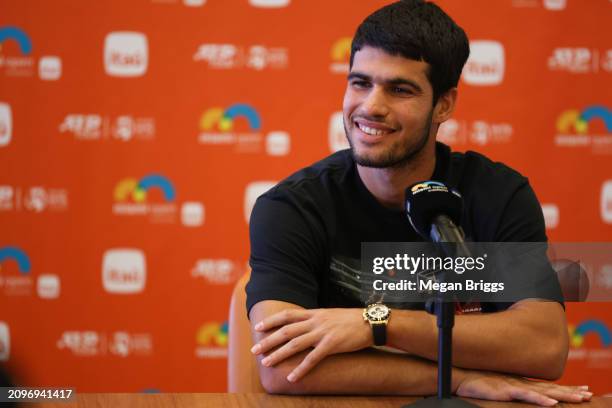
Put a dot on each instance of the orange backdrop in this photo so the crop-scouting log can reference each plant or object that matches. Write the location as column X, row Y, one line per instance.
column 134, row 137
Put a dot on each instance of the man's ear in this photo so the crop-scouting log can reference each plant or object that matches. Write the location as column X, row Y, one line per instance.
column 445, row 106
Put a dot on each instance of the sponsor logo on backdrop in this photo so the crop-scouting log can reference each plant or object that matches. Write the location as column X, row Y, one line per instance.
column 11, row 283
column 16, row 276
column 219, row 271
column 39, row 199
column 124, row 271
column 192, row 214
column 269, row 3
column 21, row 63
column 87, row 343
column 123, row 128
column 5, row 341
column 337, row 136
column 194, row 3
column 580, row 60
column 50, row 68
column 486, row 63
column 48, row 286
column 341, row 55
column 211, row 340
column 7, row 198
column 605, row 276
column 219, row 127
column 596, row 353
column 581, row 129
column 252, row 191
column 606, row 202
column 6, row 124
column 126, row 344
column 554, row 5
column 16, row 65
column 35, row 199
column 187, row 3
column 132, row 198
column 154, row 196
column 231, row 56
column 477, row 132
column 81, row 343
column 551, row 215
column 126, row 54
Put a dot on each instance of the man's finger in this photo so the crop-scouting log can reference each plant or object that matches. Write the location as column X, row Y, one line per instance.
column 282, row 318
column 310, row 361
column 566, row 393
column 566, row 396
column 280, row 336
column 534, row 397
column 290, row 348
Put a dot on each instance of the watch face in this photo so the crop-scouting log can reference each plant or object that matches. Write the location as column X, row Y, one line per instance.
column 377, row 312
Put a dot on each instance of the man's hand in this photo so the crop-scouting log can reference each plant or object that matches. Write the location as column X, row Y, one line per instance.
column 496, row 387
column 326, row 331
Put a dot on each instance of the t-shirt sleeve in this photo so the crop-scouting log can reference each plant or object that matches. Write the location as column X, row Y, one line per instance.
column 284, row 254
column 522, row 221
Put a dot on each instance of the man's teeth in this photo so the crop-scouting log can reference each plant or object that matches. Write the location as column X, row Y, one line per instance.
column 371, row 131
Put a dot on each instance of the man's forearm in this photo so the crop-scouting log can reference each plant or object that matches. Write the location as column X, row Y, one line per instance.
column 364, row 372
column 517, row 341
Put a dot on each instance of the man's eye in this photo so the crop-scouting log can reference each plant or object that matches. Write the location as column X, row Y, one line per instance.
column 360, row 84
column 399, row 90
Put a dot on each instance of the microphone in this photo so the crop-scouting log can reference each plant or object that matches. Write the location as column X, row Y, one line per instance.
column 435, row 213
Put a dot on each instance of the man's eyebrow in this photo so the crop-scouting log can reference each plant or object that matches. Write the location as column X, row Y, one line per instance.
column 390, row 81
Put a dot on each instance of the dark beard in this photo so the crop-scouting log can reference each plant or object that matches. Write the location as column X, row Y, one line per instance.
column 394, row 159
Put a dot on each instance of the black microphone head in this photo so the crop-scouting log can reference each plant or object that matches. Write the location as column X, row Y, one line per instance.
column 427, row 199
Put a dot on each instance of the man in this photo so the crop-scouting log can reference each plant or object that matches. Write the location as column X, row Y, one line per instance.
column 306, row 235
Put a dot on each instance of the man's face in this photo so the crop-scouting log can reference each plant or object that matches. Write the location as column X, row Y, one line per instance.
column 387, row 108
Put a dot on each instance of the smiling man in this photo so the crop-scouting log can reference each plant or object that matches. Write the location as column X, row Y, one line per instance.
column 303, row 297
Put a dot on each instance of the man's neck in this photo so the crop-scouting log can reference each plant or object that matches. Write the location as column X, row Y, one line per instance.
column 388, row 185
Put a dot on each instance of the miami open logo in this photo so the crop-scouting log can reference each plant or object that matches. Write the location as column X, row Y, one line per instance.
column 240, row 126
column 22, row 63
column 153, row 195
column 590, row 128
column 15, row 271
column 212, row 339
column 18, row 60
column 591, row 342
column 16, row 276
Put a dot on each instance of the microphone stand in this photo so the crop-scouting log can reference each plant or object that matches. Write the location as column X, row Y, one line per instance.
column 443, row 230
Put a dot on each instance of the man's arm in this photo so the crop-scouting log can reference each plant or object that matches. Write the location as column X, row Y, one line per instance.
column 362, row 372
column 528, row 339
column 370, row 371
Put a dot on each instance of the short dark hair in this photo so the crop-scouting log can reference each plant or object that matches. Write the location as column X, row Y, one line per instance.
column 420, row 31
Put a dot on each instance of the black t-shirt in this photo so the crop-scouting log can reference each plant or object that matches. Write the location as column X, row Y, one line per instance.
column 306, row 232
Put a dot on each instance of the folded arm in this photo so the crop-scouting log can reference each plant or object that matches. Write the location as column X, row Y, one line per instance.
column 343, row 370
column 528, row 339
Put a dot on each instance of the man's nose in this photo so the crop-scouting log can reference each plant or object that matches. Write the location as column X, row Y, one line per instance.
column 375, row 103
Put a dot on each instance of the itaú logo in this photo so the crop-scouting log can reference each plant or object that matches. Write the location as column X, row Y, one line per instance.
column 124, row 271
column 6, row 123
column 269, row 3
column 5, row 341
column 606, row 202
column 126, row 54
column 486, row 64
